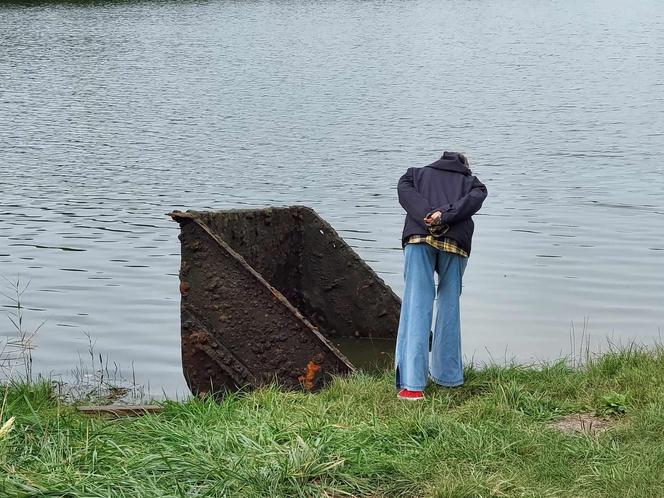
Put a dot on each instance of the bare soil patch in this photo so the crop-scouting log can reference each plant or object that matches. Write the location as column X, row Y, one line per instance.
column 586, row 423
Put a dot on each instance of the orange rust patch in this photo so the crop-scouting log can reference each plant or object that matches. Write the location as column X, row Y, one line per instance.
column 184, row 288
column 309, row 376
column 198, row 337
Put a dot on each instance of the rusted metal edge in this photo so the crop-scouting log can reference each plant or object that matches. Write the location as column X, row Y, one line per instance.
column 175, row 215
column 181, row 214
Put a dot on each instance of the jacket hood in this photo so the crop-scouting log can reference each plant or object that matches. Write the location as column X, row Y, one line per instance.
column 451, row 162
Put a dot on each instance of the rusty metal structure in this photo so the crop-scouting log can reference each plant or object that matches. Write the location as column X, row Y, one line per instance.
column 264, row 293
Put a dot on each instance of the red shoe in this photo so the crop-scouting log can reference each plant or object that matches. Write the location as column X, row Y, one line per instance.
column 410, row 395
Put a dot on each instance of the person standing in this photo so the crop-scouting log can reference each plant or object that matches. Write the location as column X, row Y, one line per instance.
column 440, row 200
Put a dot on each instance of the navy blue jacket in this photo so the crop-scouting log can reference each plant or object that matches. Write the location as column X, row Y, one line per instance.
column 446, row 185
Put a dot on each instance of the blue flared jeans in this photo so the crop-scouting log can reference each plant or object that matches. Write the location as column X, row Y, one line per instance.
column 412, row 350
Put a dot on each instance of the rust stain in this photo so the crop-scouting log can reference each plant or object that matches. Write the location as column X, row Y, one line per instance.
column 309, row 376
column 198, row 337
column 184, row 288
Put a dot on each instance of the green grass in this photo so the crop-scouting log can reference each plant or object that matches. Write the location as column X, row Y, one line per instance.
column 488, row 438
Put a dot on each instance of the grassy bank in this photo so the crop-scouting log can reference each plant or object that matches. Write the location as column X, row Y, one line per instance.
column 493, row 437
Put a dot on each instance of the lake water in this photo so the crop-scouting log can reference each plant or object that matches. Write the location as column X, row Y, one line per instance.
column 113, row 114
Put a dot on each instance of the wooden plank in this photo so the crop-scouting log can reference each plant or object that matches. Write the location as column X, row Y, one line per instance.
column 120, row 410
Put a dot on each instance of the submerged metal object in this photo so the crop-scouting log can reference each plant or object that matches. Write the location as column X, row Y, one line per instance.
column 264, row 291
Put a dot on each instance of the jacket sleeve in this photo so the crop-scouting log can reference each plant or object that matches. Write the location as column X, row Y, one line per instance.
column 415, row 204
column 465, row 207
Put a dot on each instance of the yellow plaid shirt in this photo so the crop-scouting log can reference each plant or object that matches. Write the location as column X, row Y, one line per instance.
column 444, row 244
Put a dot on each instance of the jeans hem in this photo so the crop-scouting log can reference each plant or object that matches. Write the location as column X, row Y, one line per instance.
column 411, row 388
column 446, row 383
